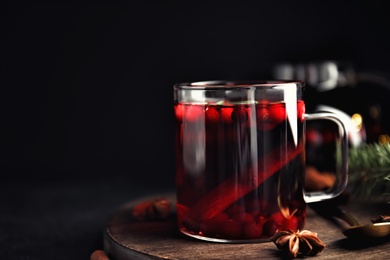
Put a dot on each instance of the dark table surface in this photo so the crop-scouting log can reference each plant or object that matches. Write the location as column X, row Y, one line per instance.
column 66, row 219
column 61, row 219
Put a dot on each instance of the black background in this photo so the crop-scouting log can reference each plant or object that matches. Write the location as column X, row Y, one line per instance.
column 86, row 87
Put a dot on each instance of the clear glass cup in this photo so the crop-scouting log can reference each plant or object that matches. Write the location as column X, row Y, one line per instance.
column 240, row 159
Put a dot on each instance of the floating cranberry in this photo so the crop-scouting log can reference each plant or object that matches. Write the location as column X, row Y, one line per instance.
column 277, row 113
column 212, row 115
column 226, row 114
column 252, row 230
column 301, row 110
column 179, row 111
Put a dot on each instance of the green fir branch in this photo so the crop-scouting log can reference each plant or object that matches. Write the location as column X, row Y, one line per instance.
column 369, row 169
column 369, row 156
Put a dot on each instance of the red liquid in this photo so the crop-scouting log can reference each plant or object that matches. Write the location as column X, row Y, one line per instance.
column 217, row 144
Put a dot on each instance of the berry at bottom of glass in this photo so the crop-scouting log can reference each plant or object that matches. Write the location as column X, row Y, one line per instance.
column 239, row 170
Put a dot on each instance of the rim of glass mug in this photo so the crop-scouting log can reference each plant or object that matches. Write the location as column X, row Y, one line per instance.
column 245, row 84
column 239, row 91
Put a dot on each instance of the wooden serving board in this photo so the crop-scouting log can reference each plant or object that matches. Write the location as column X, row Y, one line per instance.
column 126, row 239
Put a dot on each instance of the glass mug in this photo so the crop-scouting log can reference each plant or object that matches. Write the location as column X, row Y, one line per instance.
column 240, row 159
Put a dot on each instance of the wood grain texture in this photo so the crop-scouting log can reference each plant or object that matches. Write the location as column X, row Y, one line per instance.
column 126, row 239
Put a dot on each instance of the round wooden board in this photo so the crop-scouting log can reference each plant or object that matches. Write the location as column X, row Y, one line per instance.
column 125, row 239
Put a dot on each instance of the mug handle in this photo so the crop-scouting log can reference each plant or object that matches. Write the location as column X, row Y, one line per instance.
column 342, row 170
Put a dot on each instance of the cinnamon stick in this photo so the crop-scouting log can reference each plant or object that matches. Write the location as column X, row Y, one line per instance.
column 221, row 197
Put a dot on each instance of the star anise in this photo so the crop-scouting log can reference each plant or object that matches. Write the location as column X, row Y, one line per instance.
column 298, row 242
column 381, row 218
column 152, row 209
